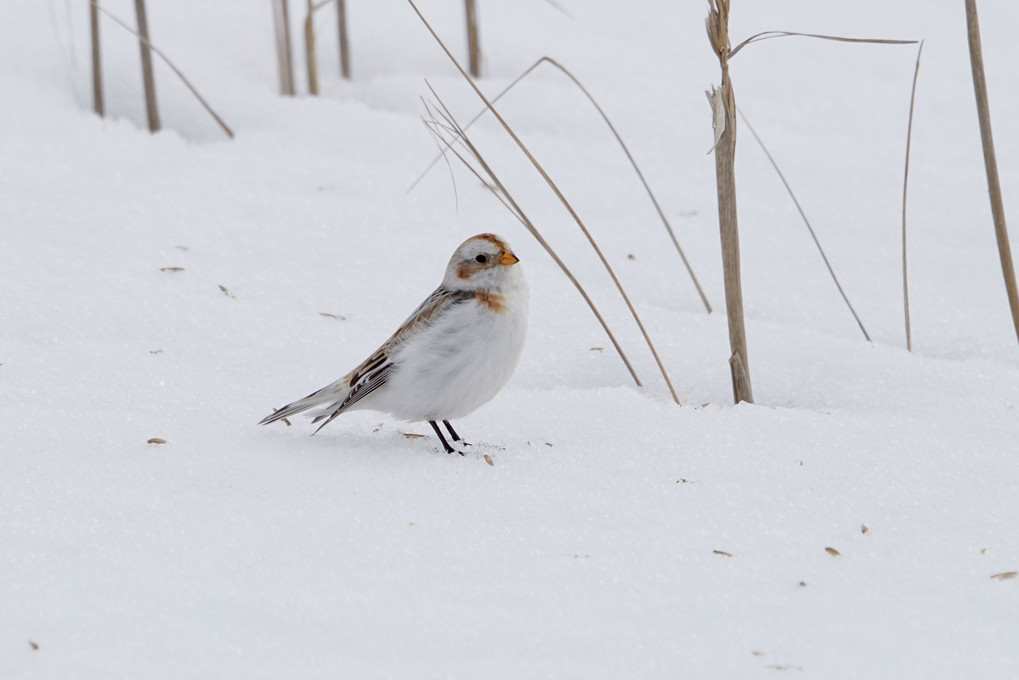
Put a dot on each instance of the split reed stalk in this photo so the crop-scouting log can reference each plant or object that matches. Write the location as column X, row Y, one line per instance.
column 991, row 161
column 724, row 106
column 147, row 76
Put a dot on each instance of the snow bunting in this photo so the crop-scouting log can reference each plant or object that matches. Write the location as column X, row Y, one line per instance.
column 453, row 354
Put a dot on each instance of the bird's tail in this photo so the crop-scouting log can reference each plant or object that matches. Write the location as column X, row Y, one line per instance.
column 330, row 394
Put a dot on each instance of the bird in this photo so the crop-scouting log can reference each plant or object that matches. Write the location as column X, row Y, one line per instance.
column 452, row 354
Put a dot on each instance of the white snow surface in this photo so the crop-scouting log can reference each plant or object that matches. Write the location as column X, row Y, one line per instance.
column 617, row 535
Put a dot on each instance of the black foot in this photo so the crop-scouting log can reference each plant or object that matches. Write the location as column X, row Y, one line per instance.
column 438, row 433
column 453, row 434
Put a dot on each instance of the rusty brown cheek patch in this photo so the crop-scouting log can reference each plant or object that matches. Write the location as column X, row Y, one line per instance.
column 465, row 270
column 494, row 301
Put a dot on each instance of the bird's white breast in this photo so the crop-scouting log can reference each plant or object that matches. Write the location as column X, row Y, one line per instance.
column 461, row 360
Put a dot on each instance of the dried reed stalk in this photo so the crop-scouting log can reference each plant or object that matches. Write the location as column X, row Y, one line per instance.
column 661, row 214
column 905, row 188
column 166, row 60
column 97, row 66
column 990, row 160
column 768, row 35
column 473, row 45
column 341, row 18
column 455, row 134
column 147, row 76
column 562, row 199
column 806, row 221
column 724, row 109
column 309, row 48
column 284, row 55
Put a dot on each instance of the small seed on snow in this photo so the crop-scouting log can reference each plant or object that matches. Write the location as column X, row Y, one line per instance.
column 488, row 459
column 832, row 551
column 156, row 440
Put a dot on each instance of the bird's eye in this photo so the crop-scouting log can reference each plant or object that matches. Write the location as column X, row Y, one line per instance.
column 482, row 259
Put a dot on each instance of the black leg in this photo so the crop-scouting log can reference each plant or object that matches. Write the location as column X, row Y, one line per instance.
column 438, row 432
column 452, row 432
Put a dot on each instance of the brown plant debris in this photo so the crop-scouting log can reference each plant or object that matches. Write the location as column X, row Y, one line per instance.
column 226, row 292
column 411, row 435
column 156, row 440
column 488, row 459
column 722, row 552
column 1005, row 575
column 337, row 317
column 171, row 270
column 832, row 551
column 33, row 645
column 863, row 529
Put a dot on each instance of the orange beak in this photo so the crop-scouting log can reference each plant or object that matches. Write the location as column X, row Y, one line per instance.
column 508, row 258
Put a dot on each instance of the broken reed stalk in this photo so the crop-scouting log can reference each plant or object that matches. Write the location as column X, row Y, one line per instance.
column 806, row 221
column 661, row 214
column 905, row 188
column 990, row 160
column 97, row 66
column 473, row 46
column 341, row 18
column 166, row 60
column 309, row 48
column 458, row 134
column 284, row 56
column 562, row 199
column 724, row 110
column 148, row 79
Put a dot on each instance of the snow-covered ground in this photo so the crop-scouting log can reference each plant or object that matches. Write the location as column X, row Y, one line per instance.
column 617, row 534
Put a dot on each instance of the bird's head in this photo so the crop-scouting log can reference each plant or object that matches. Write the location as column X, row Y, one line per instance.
column 482, row 262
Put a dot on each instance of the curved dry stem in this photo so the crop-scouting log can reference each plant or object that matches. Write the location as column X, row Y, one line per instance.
column 166, row 60
column 806, row 221
column 622, row 144
column 459, row 135
column 905, row 187
column 559, row 195
column 768, row 35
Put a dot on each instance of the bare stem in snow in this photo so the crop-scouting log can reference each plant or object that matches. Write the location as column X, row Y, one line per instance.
column 661, row 214
column 473, row 44
column 806, row 221
column 559, row 195
column 341, row 18
column 990, row 160
column 309, row 48
column 905, row 187
column 97, row 67
column 723, row 104
column 147, row 77
column 166, row 60
column 284, row 56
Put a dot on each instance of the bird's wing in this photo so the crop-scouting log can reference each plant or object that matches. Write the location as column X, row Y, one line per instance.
column 374, row 372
